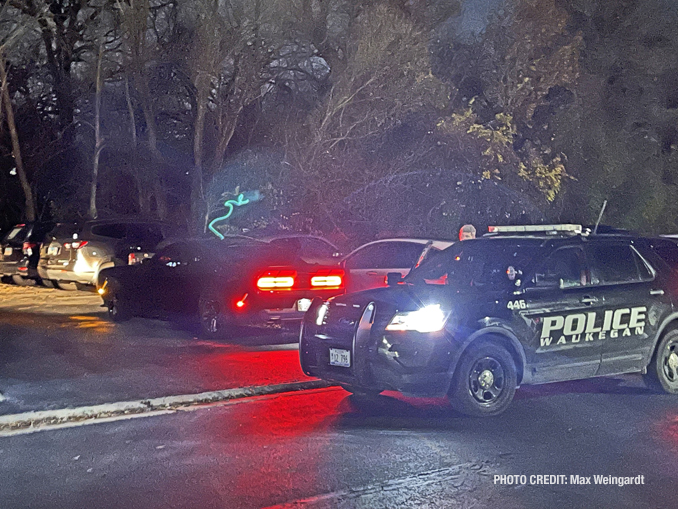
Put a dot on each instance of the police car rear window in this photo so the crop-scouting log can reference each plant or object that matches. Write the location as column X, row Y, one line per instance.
column 615, row 264
column 486, row 265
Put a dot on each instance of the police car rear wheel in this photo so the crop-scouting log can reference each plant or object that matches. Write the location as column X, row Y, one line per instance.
column 663, row 370
column 484, row 382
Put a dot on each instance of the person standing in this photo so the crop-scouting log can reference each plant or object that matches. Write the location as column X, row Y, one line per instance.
column 466, row 232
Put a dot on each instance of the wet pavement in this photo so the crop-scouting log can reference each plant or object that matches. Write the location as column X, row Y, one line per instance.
column 314, row 449
column 62, row 351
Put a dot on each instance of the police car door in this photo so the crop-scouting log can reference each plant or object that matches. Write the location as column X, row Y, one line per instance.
column 559, row 309
column 630, row 298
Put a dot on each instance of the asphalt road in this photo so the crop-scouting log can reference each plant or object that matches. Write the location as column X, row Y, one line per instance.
column 316, row 449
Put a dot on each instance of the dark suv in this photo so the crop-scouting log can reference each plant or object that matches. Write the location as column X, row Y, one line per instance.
column 20, row 251
column 526, row 305
column 77, row 252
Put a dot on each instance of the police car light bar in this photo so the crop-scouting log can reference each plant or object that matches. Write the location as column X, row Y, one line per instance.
column 536, row 228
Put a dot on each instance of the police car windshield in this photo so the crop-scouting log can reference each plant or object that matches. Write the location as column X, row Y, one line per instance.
column 487, row 264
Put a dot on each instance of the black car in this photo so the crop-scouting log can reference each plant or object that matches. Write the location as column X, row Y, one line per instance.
column 20, row 251
column 236, row 281
column 520, row 307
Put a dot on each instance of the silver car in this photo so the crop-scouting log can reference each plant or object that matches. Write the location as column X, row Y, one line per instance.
column 77, row 253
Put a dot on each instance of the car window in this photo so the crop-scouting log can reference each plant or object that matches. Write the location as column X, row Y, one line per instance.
column 317, row 248
column 471, row 264
column 17, row 234
column 148, row 234
column 667, row 251
column 114, row 230
column 564, row 268
column 615, row 264
column 177, row 254
column 385, row 255
column 63, row 231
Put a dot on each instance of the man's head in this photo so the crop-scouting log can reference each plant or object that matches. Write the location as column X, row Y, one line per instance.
column 466, row 232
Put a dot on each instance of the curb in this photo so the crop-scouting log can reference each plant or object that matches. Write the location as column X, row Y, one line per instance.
column 43, row 418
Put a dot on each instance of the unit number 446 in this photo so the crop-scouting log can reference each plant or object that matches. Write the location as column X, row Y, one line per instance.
column 516, row 304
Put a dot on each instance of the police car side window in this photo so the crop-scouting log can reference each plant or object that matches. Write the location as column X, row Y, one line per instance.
column 563, row 269
column 615, row 264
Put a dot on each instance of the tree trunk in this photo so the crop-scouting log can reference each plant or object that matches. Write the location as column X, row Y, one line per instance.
column 98, row 140
column 197, row 195
column 16, row 148
column 224, row 140
column 132, row 119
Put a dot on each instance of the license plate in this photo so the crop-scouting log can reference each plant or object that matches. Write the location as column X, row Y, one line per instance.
column 8, row 251
column 340, row 357
column 303, row 304
column 53, row 250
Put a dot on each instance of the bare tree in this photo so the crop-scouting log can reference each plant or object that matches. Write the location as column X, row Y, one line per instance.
column 386, row 77
column 29, row 199
column 98, row 138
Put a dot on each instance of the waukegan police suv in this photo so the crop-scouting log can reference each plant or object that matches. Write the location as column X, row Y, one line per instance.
column 521, row 305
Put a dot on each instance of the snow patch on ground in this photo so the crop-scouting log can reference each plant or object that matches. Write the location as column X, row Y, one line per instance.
column 38, row 299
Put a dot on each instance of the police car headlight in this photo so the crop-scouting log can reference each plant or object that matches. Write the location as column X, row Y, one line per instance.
column 322, row 311
column 427, row 319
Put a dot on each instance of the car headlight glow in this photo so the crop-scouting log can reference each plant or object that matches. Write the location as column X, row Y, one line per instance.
column 322, row 311
column 427, row 319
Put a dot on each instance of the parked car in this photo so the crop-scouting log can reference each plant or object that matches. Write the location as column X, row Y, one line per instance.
column 20, row 251
column 78, row 252
column 311, row 248
column 224, row 283
column 367, row 266
column 528, row 305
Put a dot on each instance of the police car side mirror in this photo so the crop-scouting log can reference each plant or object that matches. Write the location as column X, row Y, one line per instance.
column 393, row 278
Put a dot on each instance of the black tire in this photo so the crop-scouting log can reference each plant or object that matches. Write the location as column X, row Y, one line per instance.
column 22, row 281
column 484, row 381
column 49, row 283
column 214, row 322
column 662, row 373
column 67, row 286
column 118, row 309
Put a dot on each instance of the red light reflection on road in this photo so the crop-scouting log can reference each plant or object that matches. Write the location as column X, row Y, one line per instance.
column 244, row 368
column 667, row 429
column 273, row 445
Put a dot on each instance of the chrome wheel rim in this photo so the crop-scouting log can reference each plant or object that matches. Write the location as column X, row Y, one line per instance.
column 486, row 380
column 670, row 362
column 210, row 316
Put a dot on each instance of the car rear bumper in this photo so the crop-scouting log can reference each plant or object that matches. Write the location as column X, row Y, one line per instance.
column 66, row 274
column 9, row 268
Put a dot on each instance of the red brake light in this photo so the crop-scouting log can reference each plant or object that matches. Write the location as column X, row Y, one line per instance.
column 276, row 280
column 79, row 244
column 329, row 278
column 28, row 247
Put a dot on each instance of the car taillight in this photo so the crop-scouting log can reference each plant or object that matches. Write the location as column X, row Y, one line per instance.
column 276, row 280
column 76, row 244
column 330, row 278
column 28, row 248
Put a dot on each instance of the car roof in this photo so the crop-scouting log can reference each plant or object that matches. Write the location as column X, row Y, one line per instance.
column 438, row 244
column 269, row 238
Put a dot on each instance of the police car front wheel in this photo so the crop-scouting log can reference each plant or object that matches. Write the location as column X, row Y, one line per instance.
column 484, row 381
column 662, row 373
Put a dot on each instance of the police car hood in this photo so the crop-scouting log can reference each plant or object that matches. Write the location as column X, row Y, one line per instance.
column 407, row 297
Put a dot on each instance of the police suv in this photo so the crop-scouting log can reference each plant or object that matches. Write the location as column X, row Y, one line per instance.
column 521, row 305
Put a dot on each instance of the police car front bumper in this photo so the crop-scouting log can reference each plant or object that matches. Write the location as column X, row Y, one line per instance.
column 411, row 363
